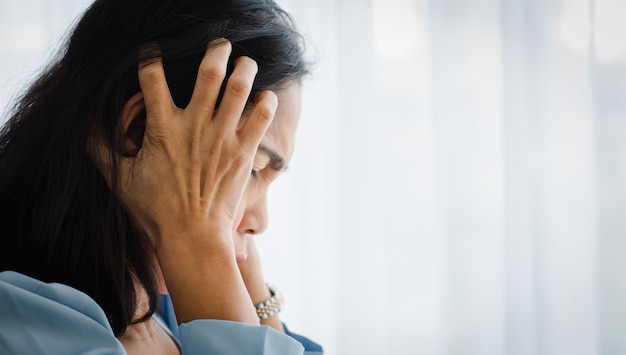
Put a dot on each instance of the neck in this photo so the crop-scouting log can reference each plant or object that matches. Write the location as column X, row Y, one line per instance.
column 146, row 337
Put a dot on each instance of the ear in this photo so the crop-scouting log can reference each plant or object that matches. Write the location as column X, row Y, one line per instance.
column 132, row 126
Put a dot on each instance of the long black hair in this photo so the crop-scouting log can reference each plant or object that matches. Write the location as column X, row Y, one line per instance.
column 62, row 222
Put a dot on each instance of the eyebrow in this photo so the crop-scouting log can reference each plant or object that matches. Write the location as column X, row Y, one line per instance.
column 276, row 161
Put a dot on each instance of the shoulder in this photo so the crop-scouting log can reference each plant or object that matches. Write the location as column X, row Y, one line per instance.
column 39, row 317
column 34, row 293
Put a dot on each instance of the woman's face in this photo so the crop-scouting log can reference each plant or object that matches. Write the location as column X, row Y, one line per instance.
column 271, row 159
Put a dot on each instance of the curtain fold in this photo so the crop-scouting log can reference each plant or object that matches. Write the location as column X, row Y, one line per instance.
column 478, row 175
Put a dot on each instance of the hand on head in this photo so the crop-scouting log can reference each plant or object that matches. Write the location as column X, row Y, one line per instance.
column 184, row 185
column 193, row 164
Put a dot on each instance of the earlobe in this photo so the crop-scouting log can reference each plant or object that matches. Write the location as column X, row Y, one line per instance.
column 132, row 126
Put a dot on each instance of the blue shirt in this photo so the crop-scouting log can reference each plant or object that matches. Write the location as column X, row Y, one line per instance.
column 52, row 318
column 165, row 311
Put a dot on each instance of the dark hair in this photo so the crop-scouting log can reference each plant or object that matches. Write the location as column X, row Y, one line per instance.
column 62, row 223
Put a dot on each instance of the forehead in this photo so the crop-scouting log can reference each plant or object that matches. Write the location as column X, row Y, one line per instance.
column 283, row 127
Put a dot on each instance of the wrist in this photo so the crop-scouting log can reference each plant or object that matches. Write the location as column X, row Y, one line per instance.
column 201, row 243
column 259, row 292
column 204, row 281
column 270, row 306
column 207, row 289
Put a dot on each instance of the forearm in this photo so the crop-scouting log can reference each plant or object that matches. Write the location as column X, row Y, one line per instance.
column 205, row 283
column 252, row 274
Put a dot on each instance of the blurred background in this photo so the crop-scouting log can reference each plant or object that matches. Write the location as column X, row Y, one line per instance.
column 459, row 181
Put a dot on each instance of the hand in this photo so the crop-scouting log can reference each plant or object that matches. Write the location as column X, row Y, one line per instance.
column 252, row 274
column 255, row 283
column 192, row 168
column 184, row 185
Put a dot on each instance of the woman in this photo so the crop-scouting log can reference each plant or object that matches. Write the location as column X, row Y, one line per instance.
column 137, row 165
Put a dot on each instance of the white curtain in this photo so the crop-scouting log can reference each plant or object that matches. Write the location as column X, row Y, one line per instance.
column 459, row 181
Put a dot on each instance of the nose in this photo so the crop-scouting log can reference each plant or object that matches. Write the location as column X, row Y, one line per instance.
column 255, row 217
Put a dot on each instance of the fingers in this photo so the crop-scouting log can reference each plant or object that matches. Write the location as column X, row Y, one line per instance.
column 201, row 109
column 157, row 98
column 211, row 74
column 260, row 119
column 236, row 93
column 239, row 84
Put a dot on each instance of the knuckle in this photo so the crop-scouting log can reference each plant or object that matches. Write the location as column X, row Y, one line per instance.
column 266, row 114
column 239, row 87
column 210, row 72
column 151, row 74
column 241, row 162
column 267, row 106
